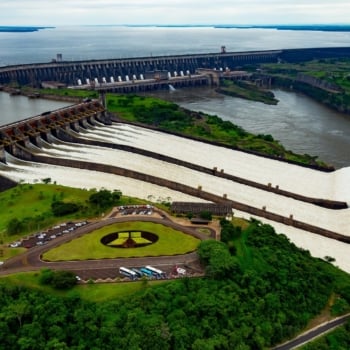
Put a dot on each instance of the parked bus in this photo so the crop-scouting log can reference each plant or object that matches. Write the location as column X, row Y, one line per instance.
column 128, row 273
column 158, row 273
column 138, row 272
column 147, row 272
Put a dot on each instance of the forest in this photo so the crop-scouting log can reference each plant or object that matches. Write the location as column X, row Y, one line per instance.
column 259, row 290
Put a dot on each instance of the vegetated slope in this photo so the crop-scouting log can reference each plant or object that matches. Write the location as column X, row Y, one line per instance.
column 169, row 117
column 246, row 90
column 259, row 290
column 326, row 80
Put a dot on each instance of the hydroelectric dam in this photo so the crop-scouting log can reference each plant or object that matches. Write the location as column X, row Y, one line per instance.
column 312, row 201
column 180, row 70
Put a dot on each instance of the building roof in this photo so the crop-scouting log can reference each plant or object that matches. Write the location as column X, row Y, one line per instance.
column 220, row 209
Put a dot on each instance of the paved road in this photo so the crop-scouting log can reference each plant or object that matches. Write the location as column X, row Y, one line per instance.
column 315, row 332
column 104, row 268
column 107, row 268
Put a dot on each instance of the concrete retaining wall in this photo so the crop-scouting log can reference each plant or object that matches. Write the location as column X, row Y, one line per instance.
column 196, row 192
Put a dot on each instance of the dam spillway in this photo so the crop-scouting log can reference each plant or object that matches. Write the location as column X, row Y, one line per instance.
column 84, row 127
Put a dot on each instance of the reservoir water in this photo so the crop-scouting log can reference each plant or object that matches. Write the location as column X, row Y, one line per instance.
column 15, row 108
column 297, row 122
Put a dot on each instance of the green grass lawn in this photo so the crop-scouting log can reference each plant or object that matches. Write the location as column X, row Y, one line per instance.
column 31, row 205
column 123, row 236
column 89, row 246
column 120, row 241
column 32, row 202
column 94, row 292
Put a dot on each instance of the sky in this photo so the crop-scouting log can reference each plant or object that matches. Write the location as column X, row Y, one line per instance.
column 195, row 12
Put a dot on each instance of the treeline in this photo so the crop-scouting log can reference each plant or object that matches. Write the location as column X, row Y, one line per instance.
column 259, row 290
column 247, row 90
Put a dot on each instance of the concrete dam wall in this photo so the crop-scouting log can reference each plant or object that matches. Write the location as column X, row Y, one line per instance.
column 98, row 71
column 19, row 138
column 196, row 192
column 25, row 153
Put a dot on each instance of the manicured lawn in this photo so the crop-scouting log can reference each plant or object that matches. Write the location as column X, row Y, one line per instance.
column 30, row 204
column 89, row 246
column 122, row 240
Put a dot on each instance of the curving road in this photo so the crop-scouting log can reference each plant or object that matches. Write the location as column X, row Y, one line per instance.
column 104, row 268
column 108, row 268
column 313, row 333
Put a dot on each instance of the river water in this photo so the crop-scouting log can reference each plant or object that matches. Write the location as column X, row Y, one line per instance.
column 309, row 182
column 103, row 42
column 15, row 108
column 299, row 123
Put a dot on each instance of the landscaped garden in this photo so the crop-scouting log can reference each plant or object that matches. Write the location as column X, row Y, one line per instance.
column 89, row 246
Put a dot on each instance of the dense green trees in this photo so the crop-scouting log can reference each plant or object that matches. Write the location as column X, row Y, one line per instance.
column 60, row 208
column 105, row 198
column 58, row 279
column 169, row 117
column 14, row 226
column 259, row 294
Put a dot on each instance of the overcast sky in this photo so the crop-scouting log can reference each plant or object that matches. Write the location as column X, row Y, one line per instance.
column 70, row 12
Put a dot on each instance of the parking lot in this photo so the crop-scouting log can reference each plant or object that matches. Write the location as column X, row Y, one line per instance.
column 133, row 210
column 104, row 270
column 113, row 274
column 43, row 237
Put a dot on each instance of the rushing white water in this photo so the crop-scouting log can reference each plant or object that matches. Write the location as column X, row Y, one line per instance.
column 335, row 220
column 289, row 177
column 21, row 171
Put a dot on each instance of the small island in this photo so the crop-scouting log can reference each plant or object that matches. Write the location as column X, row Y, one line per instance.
column 21, row 29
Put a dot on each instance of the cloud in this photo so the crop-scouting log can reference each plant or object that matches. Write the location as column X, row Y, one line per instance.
column 67, row 12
